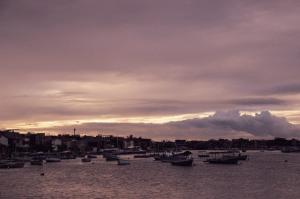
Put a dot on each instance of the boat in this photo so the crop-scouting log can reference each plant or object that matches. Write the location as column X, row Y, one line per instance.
column 203, row 154
column 242, row 157
column 290, row 150
column 86, row 159
column 11, row 164
column 157, row 157
column 52, row 160
column 67, row 155
column 144, row 156
column 36, row 162
column 166, row 158
column 39, row 155
column 123, row 162
column 108, row 154
column 169, row 157
column 183, row 162
column 111, row 157
column 223, row 157
column 91, row 156
column 223, row 160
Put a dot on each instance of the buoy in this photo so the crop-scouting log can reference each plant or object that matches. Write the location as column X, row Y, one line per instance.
column 285, row 161
column 42, row 174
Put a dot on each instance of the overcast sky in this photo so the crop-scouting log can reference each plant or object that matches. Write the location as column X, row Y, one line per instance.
column 65, row 62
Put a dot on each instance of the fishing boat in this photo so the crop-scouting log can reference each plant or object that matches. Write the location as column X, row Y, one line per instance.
column 86, row 159
column 123, row 162
column 223, row 157
column 169, row 157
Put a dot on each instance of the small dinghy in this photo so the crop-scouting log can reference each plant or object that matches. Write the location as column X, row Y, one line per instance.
column 122, row 162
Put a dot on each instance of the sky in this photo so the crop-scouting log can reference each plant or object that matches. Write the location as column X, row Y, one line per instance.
column 165, row 69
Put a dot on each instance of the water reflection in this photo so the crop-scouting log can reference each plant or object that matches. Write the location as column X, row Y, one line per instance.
column 265, row 175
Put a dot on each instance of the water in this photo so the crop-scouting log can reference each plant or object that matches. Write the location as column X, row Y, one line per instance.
column 266, row 176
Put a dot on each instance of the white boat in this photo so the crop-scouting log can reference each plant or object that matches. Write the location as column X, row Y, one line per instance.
column 123, row 162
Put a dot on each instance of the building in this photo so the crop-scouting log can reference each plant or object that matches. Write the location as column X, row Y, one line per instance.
column 3, row 146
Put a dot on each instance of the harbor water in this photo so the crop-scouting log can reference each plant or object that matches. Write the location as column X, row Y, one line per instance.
column 266, row 175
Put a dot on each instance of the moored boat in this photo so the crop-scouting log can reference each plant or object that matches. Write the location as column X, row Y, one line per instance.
column 52, row 160
column 183, row 162
column 203, row 154
column 144, row 156
column 36, row 162
column 122, row 162
column 67, row 155
column 111, row 157
column 11, row 164
column 86, row 159
column 169, row 157
column 290, row 150
column 242, row 157
column 91, row 156
column 223, row 160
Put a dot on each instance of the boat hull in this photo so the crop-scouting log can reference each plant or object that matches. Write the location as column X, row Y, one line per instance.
column 12, row 165
column 112, row 158
column 36, row 162
column 242, row 157
column 54, row 160
column 223, row 161
column 86, row 160
column 123, row 162
column 188, row 162
column 203, row 156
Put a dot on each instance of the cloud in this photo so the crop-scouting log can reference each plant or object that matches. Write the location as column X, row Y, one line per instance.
column 284, row 89
column 261, row 124
column 224, row 124
column 258, row 101
column 77, row 59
